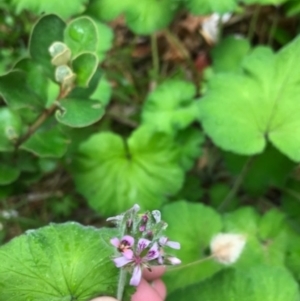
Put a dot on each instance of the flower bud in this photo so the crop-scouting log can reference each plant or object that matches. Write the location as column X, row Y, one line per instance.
column 60, row 52
column 226, row 248
column 64, row 75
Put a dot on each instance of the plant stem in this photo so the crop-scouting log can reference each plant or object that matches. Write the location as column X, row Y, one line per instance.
column 121, row 284
column 253, row 23
column 190, row 264
column 155, row 56
column 236, row 185
column 42, row 118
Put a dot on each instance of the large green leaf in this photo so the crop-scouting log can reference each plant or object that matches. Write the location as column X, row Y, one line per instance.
column 241, row 111
column 8, row 174
column 10, row 128
column 205, row 7
column 147, row 16
column 106, row 10
column 171, row 106
column 113, row 174
column 193, row 225
column 48, row 29
column 81, row 35
column 79, row 112
column 266, row 236
column 254, row 284
column 47, row 144
column 23, row 96
column 65, row 8
column 58, row 262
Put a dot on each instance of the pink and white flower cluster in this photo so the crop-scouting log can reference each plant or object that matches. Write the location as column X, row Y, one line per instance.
column 143, row 243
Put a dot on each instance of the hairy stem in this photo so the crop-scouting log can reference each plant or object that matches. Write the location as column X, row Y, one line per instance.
column 189, row 264
column 121, row 284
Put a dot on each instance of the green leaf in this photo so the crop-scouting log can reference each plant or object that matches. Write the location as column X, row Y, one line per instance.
column 193, row 225
column 189, row 143
column 48, row 29
column 206, row 7
column 271, row 224
column 265, row 244
column 147, row 16
column 36, row 79
column 8, row 175
column 58, row 262
column 47, row 144
column 23, row 96
column 263, row 2
column 241, row 111
column 10, row 129
column 290, row 201
column 79, row 112
column 81, row 35
column 105, row 42
column 84, row 66
column 106, row 10
column 254, row 284
column 144, row 169
column 263, row 172
column 229, row 53
column 103, row 91
column 65, row 9
column 171, row 106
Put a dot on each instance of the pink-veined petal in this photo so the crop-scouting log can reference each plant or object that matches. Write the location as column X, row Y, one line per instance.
column 142, row 244
column 153, row 252
column 121, row 261
column 127, row 239
column 136, row 276
column 115, row 242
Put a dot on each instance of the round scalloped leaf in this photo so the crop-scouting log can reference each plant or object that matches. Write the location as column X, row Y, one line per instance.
column 81, row 35
column 10, row 129
column 256, row 283
column 8, row 175
column 47, row 30
column 113, row 174
column 171, row 106
column 58, row 262
column 147, row 16
column 266, row 244
column 79, row 112
column 229, row 53
column 193, row 225
column 47, row 144
column 189, row 143
column 205, row 7
column 242, row 110
column 65, row 9
column 106, row 10
column 84, row 66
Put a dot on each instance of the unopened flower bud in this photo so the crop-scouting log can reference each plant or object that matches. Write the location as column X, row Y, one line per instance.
column 226, row 248
column 60, row 52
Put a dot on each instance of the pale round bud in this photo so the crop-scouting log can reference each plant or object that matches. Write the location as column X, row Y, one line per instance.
column 62, row 72
column 226, row 248
column 60, row 52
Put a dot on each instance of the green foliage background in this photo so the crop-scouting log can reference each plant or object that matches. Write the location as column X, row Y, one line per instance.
column 211, row 137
